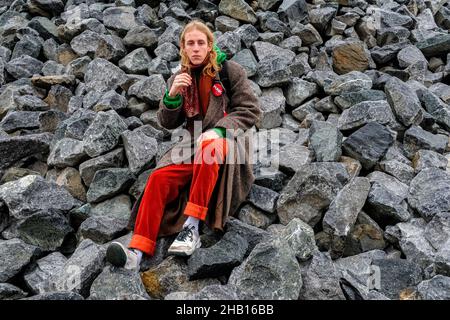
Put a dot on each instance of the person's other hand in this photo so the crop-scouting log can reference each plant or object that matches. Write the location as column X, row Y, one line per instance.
column 210, row 134
column 181, row 81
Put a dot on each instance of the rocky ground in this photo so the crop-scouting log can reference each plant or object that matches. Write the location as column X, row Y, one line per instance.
column 353, row 202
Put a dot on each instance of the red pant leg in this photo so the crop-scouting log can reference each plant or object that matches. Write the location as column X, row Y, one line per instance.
column 162, row 187
column 206, row 167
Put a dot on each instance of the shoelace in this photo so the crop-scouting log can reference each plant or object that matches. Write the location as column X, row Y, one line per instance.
column 186, row 232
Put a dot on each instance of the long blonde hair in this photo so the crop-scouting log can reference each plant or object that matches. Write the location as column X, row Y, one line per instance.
column 212, row 66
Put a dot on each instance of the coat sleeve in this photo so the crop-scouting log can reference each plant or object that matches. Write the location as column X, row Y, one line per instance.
column 245, row 108
column 170, row 118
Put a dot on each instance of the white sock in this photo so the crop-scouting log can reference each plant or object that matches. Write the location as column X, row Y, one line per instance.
column 191, row 221
column 139, row 255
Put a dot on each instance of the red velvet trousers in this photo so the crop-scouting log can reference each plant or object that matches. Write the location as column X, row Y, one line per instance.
column 163, row 186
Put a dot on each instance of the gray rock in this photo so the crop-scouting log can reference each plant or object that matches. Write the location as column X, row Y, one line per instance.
column 325, row 140
column 308, row 34
column 15, row 255
column 272, row 105
column 257, row 271
column 75, row 126
column 86, row 43
column 102, row 76
column 63, row 295
column 300, row 237
column 215, row 292
column 224, row 24
column 409, row 55
column 140, row 148
column 247, row 60
column 428, row 192
column 428, row 159
column 67, row 152
column 404, row 102
column 299, row 91
column 437, row 288
column 293, row 11
column 229, row 43
column 410, row 237
column 368, row 144
column 38, row 274
column 108, row 183
column 10, row 292
column 238, row 9
column 359, row 273
column 167, row 51
column 32, row 193
column 349, row 82
column 343, row 212
column 248, row 34
column 320, row 279
column 81, row 269
column 46, row 230
column 291, row 158
column 437, row 231
column 120, row 18
column 117, row 284
column 415, row 138
column 219, row 259
column 14, row 149
column 396, row 275
column 250, row 233
column 171, row 276
column 263, row 198
column 386, row 201
column 310, row 191
column 435, row 107
column 150, row 89
column 31, row 103
column 101, row 229
column 272, row 72
column 78, row 67
column 270, row 178
column 435, row 44
column 135, row 62
column 368, row 111
column 257, row 218
column 23, row 66
column 141, row 36
column 398, row 169
column 17, row 120
column 111, row 100
column 103, row 133
column 348, row 99
column 113, row 159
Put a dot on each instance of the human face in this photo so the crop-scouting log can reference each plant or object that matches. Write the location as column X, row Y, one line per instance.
column 196, row 46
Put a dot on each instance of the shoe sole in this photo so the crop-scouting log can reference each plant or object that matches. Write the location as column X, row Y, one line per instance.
column 184, row 253
column 116, row 256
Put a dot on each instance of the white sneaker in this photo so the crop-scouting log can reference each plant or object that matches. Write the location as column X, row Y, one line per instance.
column 120, row 256
column 186, row 242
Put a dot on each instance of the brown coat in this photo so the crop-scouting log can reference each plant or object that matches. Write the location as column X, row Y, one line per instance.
column 235, row 180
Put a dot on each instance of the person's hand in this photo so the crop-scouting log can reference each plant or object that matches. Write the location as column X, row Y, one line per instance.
column 210, row 134
column 181, row 81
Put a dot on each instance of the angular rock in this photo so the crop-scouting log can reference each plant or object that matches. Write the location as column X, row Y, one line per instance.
column 103, row 133
column 219, row 259
column 150, row 89
column 113, row 159
column 38, row 274
column 428, row 192
column 415, row 138
column 10, row 292
column 349, row 57
column 263, row 198
column 102, row 76
column 310, row 191
column 368, row 144
column 300, row 237
column 32, row 193
column 67, row 152
column 238, row 9
column 352, row 81
column 140, row 149
column 108, row 183
column 326, row 140
column 256, row 272
column 14, row 254
column 437, row 288
column 404, row 102
column 117, row 284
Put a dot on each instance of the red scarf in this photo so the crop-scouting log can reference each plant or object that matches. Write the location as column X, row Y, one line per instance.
column 196, row 96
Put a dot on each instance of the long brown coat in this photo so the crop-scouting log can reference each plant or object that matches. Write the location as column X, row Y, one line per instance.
column 235, row 180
